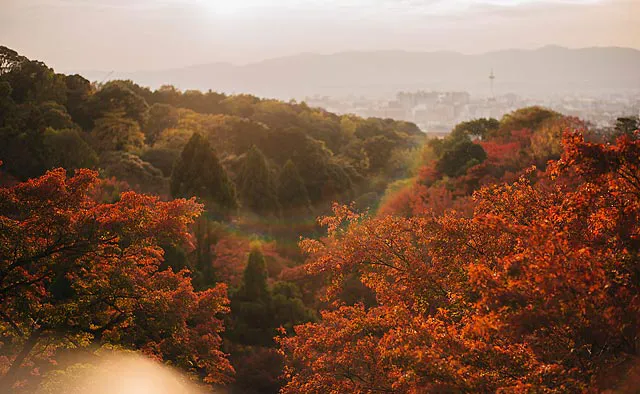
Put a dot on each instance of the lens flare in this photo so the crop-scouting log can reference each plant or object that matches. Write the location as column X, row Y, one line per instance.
column 118, row 373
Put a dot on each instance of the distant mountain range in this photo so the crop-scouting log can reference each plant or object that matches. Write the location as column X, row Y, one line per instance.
column 543, row 71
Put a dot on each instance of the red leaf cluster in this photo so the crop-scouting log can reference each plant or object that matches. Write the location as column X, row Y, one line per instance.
column 537, row 291
column 78, row 273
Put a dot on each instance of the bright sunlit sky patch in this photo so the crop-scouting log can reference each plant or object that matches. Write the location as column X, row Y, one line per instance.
column 127, row 35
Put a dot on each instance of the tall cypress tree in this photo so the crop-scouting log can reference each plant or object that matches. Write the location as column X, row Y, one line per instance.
column 251, row 309
column 203, row 272
column 257, row 189
column 292, row 193
column 254, row 278
column 198, row 172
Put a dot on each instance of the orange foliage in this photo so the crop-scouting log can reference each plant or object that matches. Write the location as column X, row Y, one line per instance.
column 506, row 157
column 230, row 258
column 78, row 273
column 231, row 253
column 538, row 291
column 500, row 153
column 400, row 203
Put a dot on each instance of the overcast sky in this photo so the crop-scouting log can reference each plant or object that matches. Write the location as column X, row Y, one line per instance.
column 129, row 35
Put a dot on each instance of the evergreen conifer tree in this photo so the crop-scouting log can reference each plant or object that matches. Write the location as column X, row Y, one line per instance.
column 254, row 278
column 198, row 172
column 257, row 189
column 251, row 305
column 203, row 272
column 292, row 193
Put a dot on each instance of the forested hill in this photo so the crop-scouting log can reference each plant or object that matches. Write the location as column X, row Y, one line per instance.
column 78, row 245
column 502, row 258
column 136, row 135
column 548, row 70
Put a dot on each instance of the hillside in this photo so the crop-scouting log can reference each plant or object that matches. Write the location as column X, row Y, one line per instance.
column 182, row 226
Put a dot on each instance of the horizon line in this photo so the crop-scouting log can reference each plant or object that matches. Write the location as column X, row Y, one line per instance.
column 352, row 51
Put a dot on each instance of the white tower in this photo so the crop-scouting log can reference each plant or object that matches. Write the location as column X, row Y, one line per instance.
column 492, row 77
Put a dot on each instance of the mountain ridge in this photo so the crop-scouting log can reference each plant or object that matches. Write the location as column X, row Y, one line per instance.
column 548, row 69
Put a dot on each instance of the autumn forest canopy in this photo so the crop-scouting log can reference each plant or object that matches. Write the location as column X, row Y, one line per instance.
column 262, row 246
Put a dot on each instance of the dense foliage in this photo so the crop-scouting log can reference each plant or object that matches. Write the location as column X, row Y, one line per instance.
column 49, row 120
column 536, row 291
column 76, row 273
column 254, row 164
column 501, row 258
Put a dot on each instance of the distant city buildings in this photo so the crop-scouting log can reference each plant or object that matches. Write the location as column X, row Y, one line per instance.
column 438, row 112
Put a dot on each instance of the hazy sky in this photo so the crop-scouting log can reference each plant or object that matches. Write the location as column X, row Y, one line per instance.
column 127, row 35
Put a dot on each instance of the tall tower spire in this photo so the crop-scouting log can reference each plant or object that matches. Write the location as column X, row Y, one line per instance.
column 492, row 77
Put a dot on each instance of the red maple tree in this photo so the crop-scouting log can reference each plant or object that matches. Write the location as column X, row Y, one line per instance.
column 79, row 274
column 538, row 291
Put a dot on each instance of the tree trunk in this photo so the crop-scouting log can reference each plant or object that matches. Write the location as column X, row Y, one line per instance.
column 8, row 380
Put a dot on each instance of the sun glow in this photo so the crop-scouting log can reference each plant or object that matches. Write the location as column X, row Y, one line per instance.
column 118, row 373
column 230, row 7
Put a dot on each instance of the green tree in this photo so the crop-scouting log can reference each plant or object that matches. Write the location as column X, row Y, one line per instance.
column 482, row 127
column 132, row 169
column 204, row 276
column 9, row 60
column 257, row 189
column 161, row 117
column 251, row 305
column 525, row 118
column 23, row 127
column 167, row 94
column 161, row 158
column 356, row 154
column 51, row 114
column 34, row 82
column 207, row 103
column 337, row 185
column 310, row 156
column 117, row 96
column 369, row 128
column 79, row 90
column 173, row 139
column 546, row 142
column 66, row 149
column 114, row 132
column 288, row 308
column 626, row 125
column 254, row 278
column 292, row 192
column 461, row 156
column 20, row 152
column 198, row 172
column 378, row 150
column 241, row 105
